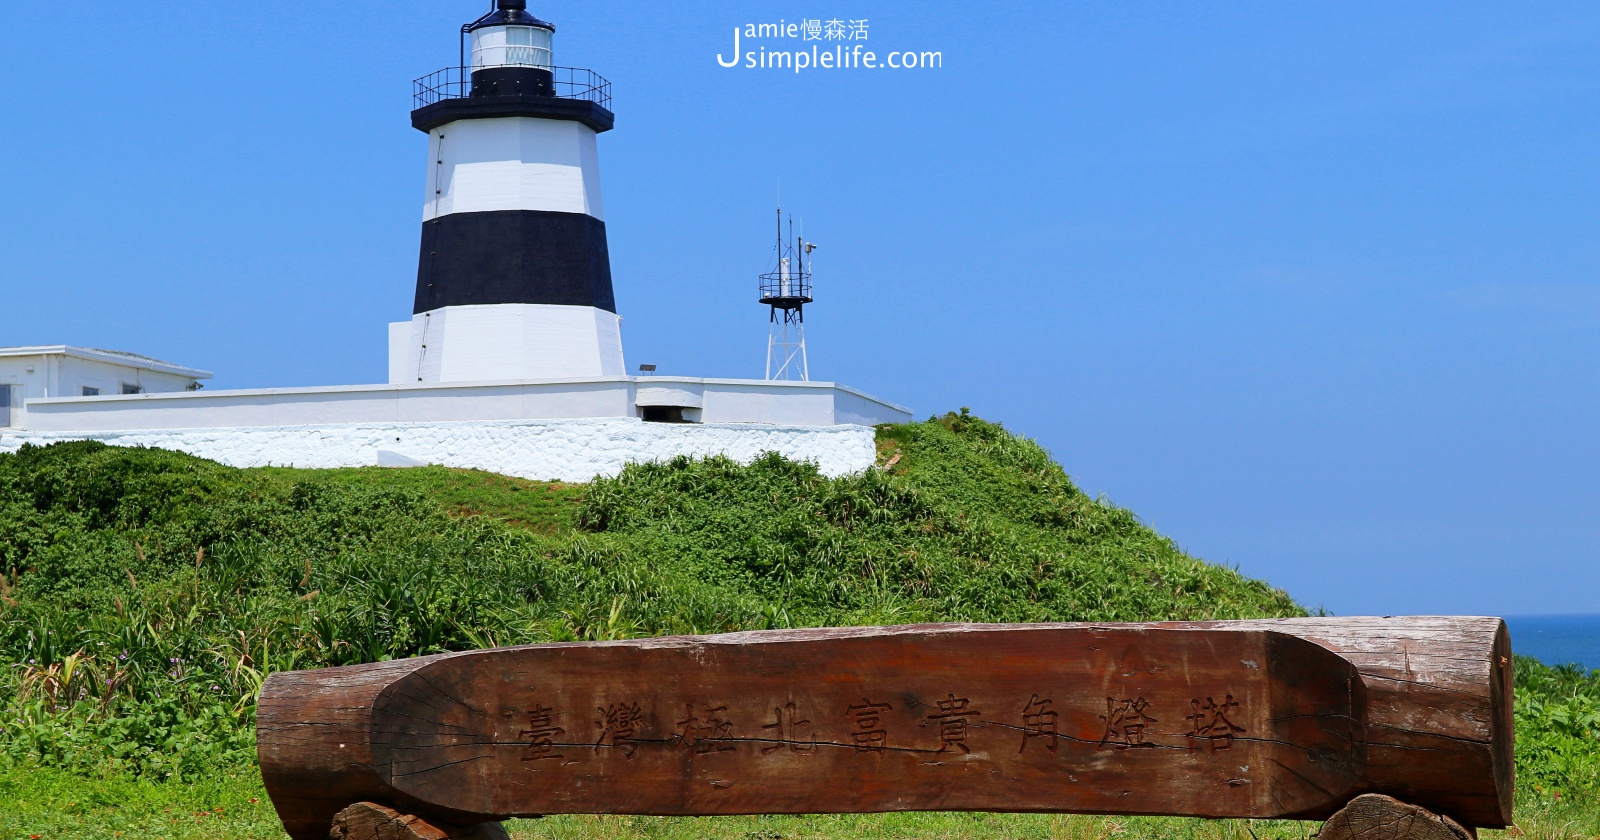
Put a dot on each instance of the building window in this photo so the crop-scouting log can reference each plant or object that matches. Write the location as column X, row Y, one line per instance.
column 132, row 389
column 91, row 392
column 9, row 395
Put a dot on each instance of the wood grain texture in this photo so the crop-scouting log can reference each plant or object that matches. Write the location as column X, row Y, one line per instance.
column 938, row 717
column 371, row 821
column 969, row 718
column 1132, row 719
column 1376, row 817
column 1439, row 711
column 312, row 741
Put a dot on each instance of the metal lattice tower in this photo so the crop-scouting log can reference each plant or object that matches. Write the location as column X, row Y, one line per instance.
column 786, row 290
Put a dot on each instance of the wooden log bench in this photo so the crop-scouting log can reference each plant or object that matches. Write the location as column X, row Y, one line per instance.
column 1376, row 725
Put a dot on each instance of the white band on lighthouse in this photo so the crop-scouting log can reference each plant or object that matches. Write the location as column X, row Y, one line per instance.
column 513, row 163
column 506, row 341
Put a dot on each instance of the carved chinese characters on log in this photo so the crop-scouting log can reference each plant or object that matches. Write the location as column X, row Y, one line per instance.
column 786, row 728
column 1211, row 721
column 618, row 724
column 710, row 731
column 868, row 734
column 952, row 720
column 1273, row 718
column 1039, row 722
column 541, row 733
column 845, row 721
column 1125, row 722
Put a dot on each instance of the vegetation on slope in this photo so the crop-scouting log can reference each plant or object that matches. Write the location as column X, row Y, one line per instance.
column 146, row 594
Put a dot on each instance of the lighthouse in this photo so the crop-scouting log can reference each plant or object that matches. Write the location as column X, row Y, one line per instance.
column 513, row 274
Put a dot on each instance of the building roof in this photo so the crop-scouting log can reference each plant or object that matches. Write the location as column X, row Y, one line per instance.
column 115, row 357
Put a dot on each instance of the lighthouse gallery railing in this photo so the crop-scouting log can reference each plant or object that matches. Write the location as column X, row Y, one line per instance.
column 456, row 83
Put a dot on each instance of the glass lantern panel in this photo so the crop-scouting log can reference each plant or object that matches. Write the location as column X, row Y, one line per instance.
column 511, row 46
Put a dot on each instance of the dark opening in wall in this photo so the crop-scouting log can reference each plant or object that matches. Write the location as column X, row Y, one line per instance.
column 91, row 392
column 663, row 414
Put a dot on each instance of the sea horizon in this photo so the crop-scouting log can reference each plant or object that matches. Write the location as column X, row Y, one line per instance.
column 1559, row 639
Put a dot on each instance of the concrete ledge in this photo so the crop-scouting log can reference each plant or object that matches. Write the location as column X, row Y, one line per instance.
column 721, row 401
column 548, row 450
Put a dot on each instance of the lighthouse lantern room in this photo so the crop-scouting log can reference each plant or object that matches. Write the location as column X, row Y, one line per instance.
column 513, row 276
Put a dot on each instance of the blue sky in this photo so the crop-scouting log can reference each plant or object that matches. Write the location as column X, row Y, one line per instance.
column 1314, row 288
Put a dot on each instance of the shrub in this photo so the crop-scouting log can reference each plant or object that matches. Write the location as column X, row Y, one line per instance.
column 147, row 594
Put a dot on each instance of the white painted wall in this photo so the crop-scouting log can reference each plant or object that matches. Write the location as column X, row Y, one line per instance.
column 679, row 394
column 723, row 401
column 549, row 450
column 513, row 163
column 761, row 401
column 73, row 374
column 852, row 406
column 506, row 341
column 402, row 355
column 58, row 374
column 28, row 377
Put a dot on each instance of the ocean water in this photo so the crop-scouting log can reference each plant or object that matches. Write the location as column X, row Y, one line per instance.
column 1557, row 639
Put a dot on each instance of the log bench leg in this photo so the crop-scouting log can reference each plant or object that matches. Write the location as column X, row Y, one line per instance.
column 1373, row 816
column 370, row 821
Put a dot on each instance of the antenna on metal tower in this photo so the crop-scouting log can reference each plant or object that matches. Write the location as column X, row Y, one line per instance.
column 786, row 290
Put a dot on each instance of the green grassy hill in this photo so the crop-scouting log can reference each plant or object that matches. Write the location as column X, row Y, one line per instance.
column 146, row 594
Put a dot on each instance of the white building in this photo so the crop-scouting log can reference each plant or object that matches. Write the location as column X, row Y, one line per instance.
column 54, row 371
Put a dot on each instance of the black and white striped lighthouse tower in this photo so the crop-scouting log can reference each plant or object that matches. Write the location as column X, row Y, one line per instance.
column 513, row 279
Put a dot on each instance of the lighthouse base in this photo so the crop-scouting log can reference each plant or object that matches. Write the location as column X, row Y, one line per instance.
column 505, row 341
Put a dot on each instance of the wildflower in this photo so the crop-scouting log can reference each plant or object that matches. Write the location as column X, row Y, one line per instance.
column 214, row 688
column 123, row 655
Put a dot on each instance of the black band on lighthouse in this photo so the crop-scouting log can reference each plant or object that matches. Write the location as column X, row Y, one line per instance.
column 512, row 81
column 446, row 111
column 514, row 256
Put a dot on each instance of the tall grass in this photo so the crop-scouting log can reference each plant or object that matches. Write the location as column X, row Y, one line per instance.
column 1558, row 732
column 147, row 594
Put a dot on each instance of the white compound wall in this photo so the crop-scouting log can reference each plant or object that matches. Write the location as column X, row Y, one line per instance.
column 619, row 397
column 547, row 450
